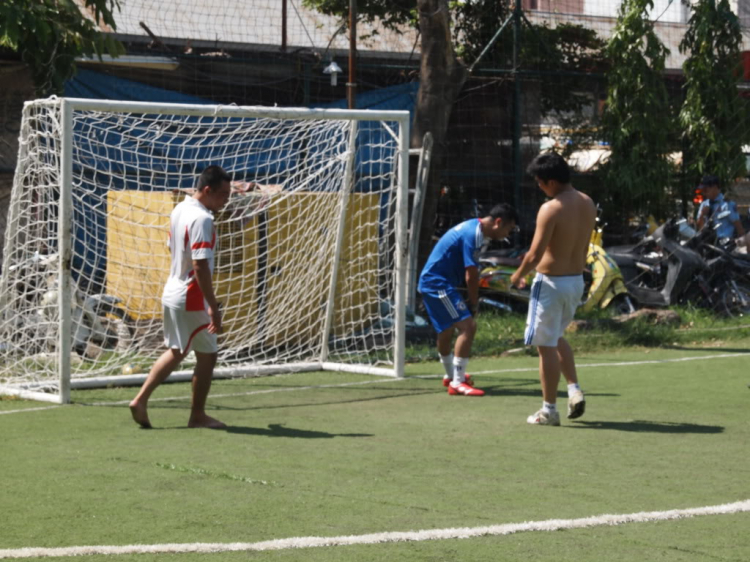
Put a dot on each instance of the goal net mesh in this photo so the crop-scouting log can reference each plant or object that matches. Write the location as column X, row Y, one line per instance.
column 306, row 245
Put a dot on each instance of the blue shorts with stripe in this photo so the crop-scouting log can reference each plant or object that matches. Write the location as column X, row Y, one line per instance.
column 445, row 307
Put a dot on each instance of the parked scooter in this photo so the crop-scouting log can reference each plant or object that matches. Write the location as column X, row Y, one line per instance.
column 97, row 319
column 729, row 269
column 675, row 266
column 605, row 285
column 658, row 269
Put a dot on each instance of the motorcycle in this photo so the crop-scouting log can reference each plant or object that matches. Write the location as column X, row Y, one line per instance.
column 495, row 289
column 676, row 266
column 97, row 319
column 604, row 283
column 729, row 268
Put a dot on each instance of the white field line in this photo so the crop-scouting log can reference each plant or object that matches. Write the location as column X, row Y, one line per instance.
column 252, row 392
column 626, row 363
column 381, row 381
column 386, row 380
column 29, row 410
column 387, row 537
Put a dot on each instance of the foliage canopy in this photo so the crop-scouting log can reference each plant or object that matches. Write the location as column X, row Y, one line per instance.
column 565, row 48
column 637, row 120
column 712, row 117
column 50, row 34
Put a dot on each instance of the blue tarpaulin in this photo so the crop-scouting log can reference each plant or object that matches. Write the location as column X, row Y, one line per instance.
column 97, row 86
column 123, row 153
column 168, row 150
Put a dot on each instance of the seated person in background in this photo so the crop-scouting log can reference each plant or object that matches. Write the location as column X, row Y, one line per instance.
column 713, row 205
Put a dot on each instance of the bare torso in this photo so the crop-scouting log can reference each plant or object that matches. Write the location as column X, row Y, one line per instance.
column 572, row 217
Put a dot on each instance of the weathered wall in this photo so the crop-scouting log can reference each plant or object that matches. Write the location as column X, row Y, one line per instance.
column 16, row 88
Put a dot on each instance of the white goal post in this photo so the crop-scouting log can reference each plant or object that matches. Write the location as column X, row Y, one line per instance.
column 312, row 260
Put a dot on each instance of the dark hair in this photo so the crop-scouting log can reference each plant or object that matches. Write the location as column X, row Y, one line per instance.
column 710, row 179
column 214, row 177
column 505, row 212
column 549, row 166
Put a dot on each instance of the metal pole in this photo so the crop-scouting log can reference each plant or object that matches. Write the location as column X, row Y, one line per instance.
column 351, row 84
column 283, row 24
column 64, row 249
column 492, row 42
column 516, row 107
column 306, row 73
column 348, row 188
column 402, row 199
column 423, row 172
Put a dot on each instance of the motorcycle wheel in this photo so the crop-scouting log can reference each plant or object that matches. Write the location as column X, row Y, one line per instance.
column 117, row 327
column 623, row 304
column 106, row 309
column 735, row 299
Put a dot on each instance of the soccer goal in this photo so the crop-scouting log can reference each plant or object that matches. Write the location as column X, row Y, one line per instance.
column 312, row 259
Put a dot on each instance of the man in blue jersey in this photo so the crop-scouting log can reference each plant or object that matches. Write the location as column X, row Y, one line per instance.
column 452, row 263
column 722, row 211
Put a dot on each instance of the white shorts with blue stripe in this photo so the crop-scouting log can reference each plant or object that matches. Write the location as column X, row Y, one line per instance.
column 554, row 299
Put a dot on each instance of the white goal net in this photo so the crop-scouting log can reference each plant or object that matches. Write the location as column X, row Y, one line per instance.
column 311, row 263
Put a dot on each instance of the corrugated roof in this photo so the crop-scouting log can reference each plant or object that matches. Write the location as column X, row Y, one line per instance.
column 260, row 22
column 253, row 22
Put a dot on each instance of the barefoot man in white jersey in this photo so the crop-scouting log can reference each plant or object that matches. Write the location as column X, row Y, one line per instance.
column 192, row 318
column 558, row 253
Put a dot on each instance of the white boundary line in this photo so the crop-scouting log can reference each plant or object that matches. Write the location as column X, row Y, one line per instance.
column 21, row 410
column 629, row 363
column 381, row 381
column 387, row 537
column 252, row 392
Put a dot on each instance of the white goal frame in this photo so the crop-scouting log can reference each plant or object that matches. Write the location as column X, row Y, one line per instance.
column 61, row 394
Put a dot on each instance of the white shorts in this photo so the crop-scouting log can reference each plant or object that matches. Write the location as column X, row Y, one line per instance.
column 553, row 304
column 187, row 329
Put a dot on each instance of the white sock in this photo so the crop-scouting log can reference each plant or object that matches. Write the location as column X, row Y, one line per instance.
column 573, row 387
column 459, row 369
column 547, row 407
column 447, row 361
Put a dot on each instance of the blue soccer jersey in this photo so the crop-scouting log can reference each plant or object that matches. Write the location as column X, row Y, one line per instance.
column 724, row 225
column 455, row 251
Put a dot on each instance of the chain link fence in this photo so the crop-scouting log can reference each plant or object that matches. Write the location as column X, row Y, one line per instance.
column 539, row 79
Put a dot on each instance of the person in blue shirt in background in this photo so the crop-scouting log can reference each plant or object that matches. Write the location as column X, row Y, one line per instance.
column 452, row 263
column 713, row 205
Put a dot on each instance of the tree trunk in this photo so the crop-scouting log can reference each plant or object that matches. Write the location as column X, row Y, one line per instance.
column 441, row 76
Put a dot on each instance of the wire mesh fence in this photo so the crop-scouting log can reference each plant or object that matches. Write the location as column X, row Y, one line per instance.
column 540, row 75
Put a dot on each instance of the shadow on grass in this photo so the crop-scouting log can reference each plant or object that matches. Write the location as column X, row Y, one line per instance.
column 533, row 391
column 184, row 403
column 642, row 426
column 278, row 430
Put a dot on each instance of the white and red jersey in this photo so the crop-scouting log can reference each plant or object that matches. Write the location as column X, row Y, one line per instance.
column 192, row 236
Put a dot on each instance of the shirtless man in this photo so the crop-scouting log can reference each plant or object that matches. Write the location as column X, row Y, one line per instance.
column 558, row 253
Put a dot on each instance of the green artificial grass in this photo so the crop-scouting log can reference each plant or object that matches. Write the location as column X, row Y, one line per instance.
column 396, row 455
column 498, row 332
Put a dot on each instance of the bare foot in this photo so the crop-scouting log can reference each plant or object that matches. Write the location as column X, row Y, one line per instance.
column 140, row 415
column 205, row 422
